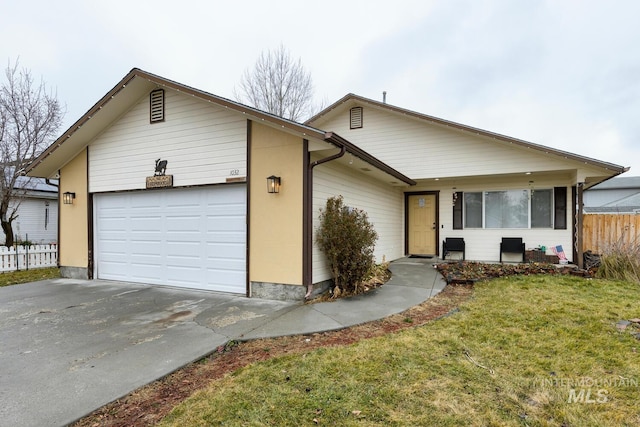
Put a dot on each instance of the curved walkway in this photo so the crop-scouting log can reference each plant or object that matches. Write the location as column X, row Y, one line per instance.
column 70, row 346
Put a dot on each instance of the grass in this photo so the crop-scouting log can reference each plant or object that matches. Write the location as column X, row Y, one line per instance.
column 25, row 276
column 525, row 351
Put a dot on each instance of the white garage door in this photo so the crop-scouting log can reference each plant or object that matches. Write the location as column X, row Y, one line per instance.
column 192, row 238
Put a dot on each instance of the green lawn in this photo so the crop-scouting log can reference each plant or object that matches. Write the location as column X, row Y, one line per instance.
column 25, row 276
column 524, row 351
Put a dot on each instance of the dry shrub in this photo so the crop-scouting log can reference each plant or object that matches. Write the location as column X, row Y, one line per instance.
column 621, row 261
column 347, row 238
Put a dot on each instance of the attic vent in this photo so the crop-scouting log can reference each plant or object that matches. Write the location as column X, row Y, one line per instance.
column 356, row 117
column 156, row 102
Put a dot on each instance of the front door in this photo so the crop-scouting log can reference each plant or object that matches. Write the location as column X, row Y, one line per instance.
column 421, row 229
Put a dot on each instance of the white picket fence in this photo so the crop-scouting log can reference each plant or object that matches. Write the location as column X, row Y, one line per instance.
column 28, row 257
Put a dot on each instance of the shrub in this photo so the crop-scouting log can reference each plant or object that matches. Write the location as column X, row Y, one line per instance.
column 621, row 261
column 347, row 238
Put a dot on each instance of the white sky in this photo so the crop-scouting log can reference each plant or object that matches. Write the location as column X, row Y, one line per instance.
column 563, row 73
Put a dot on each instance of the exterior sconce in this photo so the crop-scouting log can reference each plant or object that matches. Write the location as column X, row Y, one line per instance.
column 273, row 184
column 455, row 196
column 67, row 198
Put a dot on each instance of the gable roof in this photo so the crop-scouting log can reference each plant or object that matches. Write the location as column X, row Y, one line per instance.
column 629, row 204
column 136, row 84
column 352, row 98
column 619, row 183
column 36, row 184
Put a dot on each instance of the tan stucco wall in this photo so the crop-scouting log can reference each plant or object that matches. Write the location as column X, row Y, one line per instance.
column 73, row 218
column 276, row 219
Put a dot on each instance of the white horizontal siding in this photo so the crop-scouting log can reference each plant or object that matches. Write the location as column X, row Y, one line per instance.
column 484, row 244
column 420, row 149
column 33, row 224
column 202, row 143
column 382, row 203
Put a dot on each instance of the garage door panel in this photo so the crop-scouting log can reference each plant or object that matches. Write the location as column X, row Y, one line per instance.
column 229, row 238
column 181, row 237
column 225, row 251
column 184, row 249
column 141, row 224
column 228, row 224
column 226, row 279
column 183, row 223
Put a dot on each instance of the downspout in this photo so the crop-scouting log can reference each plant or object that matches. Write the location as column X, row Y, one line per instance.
column 308, row 218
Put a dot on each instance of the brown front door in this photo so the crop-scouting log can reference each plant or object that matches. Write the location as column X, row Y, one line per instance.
column 421, row 227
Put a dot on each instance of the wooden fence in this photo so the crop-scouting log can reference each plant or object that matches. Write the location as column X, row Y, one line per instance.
column 602, row 231
column 27, row 257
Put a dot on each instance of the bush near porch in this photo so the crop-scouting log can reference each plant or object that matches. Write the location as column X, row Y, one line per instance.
column 347, row 239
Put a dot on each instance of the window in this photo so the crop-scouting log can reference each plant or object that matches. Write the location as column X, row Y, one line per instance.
column 513, row 208
column 356, row 117
column 506, row 209
column 473, row 210
column 541, row 208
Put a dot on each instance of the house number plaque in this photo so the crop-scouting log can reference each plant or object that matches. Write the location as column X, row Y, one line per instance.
column 161, row 181
column 159, row 178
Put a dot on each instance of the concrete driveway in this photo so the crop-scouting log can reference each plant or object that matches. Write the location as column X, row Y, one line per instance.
column 68, row 347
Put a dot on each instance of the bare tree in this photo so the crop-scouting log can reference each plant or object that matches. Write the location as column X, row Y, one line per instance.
column 29, row 120
column 279, row 85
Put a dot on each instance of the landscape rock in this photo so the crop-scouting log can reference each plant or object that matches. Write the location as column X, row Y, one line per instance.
column 622, row 325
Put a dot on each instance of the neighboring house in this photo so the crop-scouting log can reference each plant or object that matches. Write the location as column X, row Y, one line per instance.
column 37, row 220
column 616, row 196
column 167, row 184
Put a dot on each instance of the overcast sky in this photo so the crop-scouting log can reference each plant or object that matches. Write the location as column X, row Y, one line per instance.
column 560, row 73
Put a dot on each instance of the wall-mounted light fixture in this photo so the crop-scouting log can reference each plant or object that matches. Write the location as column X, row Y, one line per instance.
column 273, row 184
column 67, row 198
column 455, row 196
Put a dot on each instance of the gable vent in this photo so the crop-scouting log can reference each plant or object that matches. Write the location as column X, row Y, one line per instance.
column 156, row 102
column 356, row 117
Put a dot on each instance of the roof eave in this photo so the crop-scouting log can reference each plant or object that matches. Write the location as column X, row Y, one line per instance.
column 339, row 141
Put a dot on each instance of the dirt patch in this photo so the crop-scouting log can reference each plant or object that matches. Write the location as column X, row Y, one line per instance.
column 148, row 405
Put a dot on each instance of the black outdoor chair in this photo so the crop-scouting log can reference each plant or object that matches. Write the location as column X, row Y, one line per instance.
column 512, row 245
column 453, row 244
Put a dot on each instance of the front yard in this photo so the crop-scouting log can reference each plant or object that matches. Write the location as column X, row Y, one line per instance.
column 25, row 276
column 524, row 350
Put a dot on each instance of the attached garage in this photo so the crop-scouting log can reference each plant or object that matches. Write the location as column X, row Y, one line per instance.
column 185, row 237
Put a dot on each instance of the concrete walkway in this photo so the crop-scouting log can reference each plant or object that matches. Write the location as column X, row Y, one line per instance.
column 68, row 347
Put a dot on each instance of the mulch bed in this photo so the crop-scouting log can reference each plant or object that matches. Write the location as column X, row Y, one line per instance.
column 463, row 272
